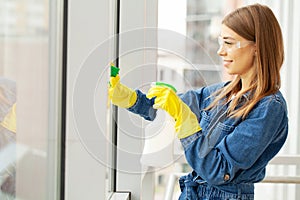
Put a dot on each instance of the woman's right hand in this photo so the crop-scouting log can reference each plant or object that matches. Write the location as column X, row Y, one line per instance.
column 119, row 94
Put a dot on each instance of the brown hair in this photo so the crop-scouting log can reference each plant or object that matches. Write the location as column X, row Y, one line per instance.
column 255, row 23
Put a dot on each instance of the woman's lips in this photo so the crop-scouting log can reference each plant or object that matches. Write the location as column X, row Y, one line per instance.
column 226, row 63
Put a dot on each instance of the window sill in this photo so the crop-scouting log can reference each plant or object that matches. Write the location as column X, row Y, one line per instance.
column 120, row 196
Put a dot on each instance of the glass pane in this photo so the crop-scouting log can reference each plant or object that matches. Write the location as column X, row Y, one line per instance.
column 194, row 25
column 188, row 61
column 28, row 140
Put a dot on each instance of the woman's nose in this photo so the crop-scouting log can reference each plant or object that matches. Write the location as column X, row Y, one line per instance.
column 221, row 51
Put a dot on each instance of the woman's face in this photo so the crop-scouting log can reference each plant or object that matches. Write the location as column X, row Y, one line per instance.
column 237, row 53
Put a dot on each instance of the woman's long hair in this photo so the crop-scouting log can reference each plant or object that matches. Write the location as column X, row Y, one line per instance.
column 255, row 23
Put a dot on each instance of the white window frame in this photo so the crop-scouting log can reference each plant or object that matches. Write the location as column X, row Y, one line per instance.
column 88, row 27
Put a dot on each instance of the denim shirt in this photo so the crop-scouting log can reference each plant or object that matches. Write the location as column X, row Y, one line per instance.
column 228, row 153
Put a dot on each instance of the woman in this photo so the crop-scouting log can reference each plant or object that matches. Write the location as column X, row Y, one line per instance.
column 229, row 131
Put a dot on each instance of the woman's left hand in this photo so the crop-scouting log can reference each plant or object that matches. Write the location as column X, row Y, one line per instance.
column 186, row 122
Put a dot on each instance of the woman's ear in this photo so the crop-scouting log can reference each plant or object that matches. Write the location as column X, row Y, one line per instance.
column 254, row 50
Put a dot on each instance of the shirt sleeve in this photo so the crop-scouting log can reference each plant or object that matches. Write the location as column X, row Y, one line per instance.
column 199, row 99
column 251, row 144
column 143, row 106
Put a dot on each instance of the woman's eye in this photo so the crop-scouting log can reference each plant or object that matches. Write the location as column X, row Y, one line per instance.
column 228, row 43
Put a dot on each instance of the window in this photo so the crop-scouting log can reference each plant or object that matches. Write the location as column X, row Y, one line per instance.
column 30, row 80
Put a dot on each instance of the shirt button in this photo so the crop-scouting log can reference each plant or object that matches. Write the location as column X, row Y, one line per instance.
column 226, row 177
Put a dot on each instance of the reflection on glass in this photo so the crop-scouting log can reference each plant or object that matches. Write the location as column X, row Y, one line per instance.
column 7, row 138
column 24, row 67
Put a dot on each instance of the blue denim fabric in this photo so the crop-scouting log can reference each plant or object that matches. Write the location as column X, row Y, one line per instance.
column 228, row 155
column 192, row 187
column 143, row 106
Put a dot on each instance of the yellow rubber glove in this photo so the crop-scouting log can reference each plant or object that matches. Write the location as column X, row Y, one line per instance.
column 186, row 122
column 9, row 121
column 120, row 94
